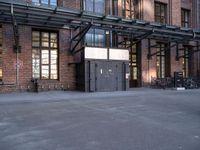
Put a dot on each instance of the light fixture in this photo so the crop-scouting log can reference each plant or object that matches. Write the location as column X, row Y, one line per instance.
column 107, row 32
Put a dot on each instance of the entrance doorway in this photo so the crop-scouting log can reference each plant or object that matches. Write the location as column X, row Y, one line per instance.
column 106, row 76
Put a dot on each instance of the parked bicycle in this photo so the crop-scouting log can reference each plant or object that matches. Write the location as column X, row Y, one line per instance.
column 190, row 83
column 162, row 83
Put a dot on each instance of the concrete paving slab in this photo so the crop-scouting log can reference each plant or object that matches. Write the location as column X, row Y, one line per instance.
column 140, row 119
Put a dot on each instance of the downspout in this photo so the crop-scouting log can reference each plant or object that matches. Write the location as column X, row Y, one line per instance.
column 169, row 12
column 16, row 46
column 198, row 26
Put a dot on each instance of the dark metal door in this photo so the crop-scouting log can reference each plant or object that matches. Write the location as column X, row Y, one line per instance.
column 119, row 76
column 92, row 76
column 106, row 76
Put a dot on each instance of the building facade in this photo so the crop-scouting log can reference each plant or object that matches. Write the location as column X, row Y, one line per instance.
column 38, row 52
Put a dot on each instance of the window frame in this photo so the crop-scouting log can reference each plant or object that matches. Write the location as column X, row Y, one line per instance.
column 84, row 6
column 133, row 60
column 1, row 35
column 94, row 34
column 185, row 62
column 40, row 48
column 49, row 2
column 184, row 13
column 132, row 9
column 159, row 17
column 1, row 53
column 114, row 7
column 160, row 58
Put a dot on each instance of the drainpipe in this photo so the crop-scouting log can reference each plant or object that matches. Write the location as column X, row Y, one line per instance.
column 17, row 46
column 198, row 26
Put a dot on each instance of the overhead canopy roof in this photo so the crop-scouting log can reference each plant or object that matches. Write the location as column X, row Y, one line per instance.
column 59, row 17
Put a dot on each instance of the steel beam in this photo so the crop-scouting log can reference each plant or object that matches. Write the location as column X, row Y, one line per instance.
column 62, row 13
column 81, row 35
column 16, row 46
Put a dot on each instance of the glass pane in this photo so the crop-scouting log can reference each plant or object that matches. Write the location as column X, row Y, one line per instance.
column 157, row 11
column 1, row 74
column 35, row 1
column 35, row 63
column 45, row 39
column 89, row 5
column 134, row 73
column 45, row 72
column 35, row 39
column 53, row 2
column 54, row 72
column 162, row 13
column 89, row 39
column 54, row 40
column 186, row 67
column 157, row 19
column 99, row 37
column 134, row 64
column 45, row 56
column 162, row 20
column 44, row 2
column 186, row 17
column 134, row 58
column 1, row 36
column 54, row 57
column 54, row 65
column 99, row 6
column 115, row 7
column 99, row 40
column 134, row 50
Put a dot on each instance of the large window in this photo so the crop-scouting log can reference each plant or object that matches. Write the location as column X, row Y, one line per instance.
column 97, row 6
column 185, row 18
column 45, row 55
column 46, row 2
column 129, row 9
column 1, row 63
column 1, row 36
column 133, row 62
column 115, row 7
column 160, row 60
column 185, row 62
column 160, row 13
column 111, row 7
column 95, row 37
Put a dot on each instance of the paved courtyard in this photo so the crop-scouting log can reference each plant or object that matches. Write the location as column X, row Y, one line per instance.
column 141, row 119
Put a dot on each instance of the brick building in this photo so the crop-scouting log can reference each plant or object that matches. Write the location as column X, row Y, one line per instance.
column 45, row 40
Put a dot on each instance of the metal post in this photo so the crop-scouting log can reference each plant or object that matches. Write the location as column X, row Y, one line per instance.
column 177, row 51
column 149, row 50
column 16, row 45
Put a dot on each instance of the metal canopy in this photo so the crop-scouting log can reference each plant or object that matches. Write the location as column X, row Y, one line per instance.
column 27, row 13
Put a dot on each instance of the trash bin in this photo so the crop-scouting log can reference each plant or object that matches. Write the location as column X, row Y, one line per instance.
column 178, row 79
column 35, row 84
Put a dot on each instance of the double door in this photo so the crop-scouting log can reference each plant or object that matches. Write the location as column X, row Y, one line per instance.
column 106, row 76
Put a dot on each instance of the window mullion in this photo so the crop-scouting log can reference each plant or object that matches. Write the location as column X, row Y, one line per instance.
column 40, row 51
column 49, row 55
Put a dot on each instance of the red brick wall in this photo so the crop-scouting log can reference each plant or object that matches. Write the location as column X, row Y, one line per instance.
column 66, row 72
column 173, row 11
column 75, row 4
